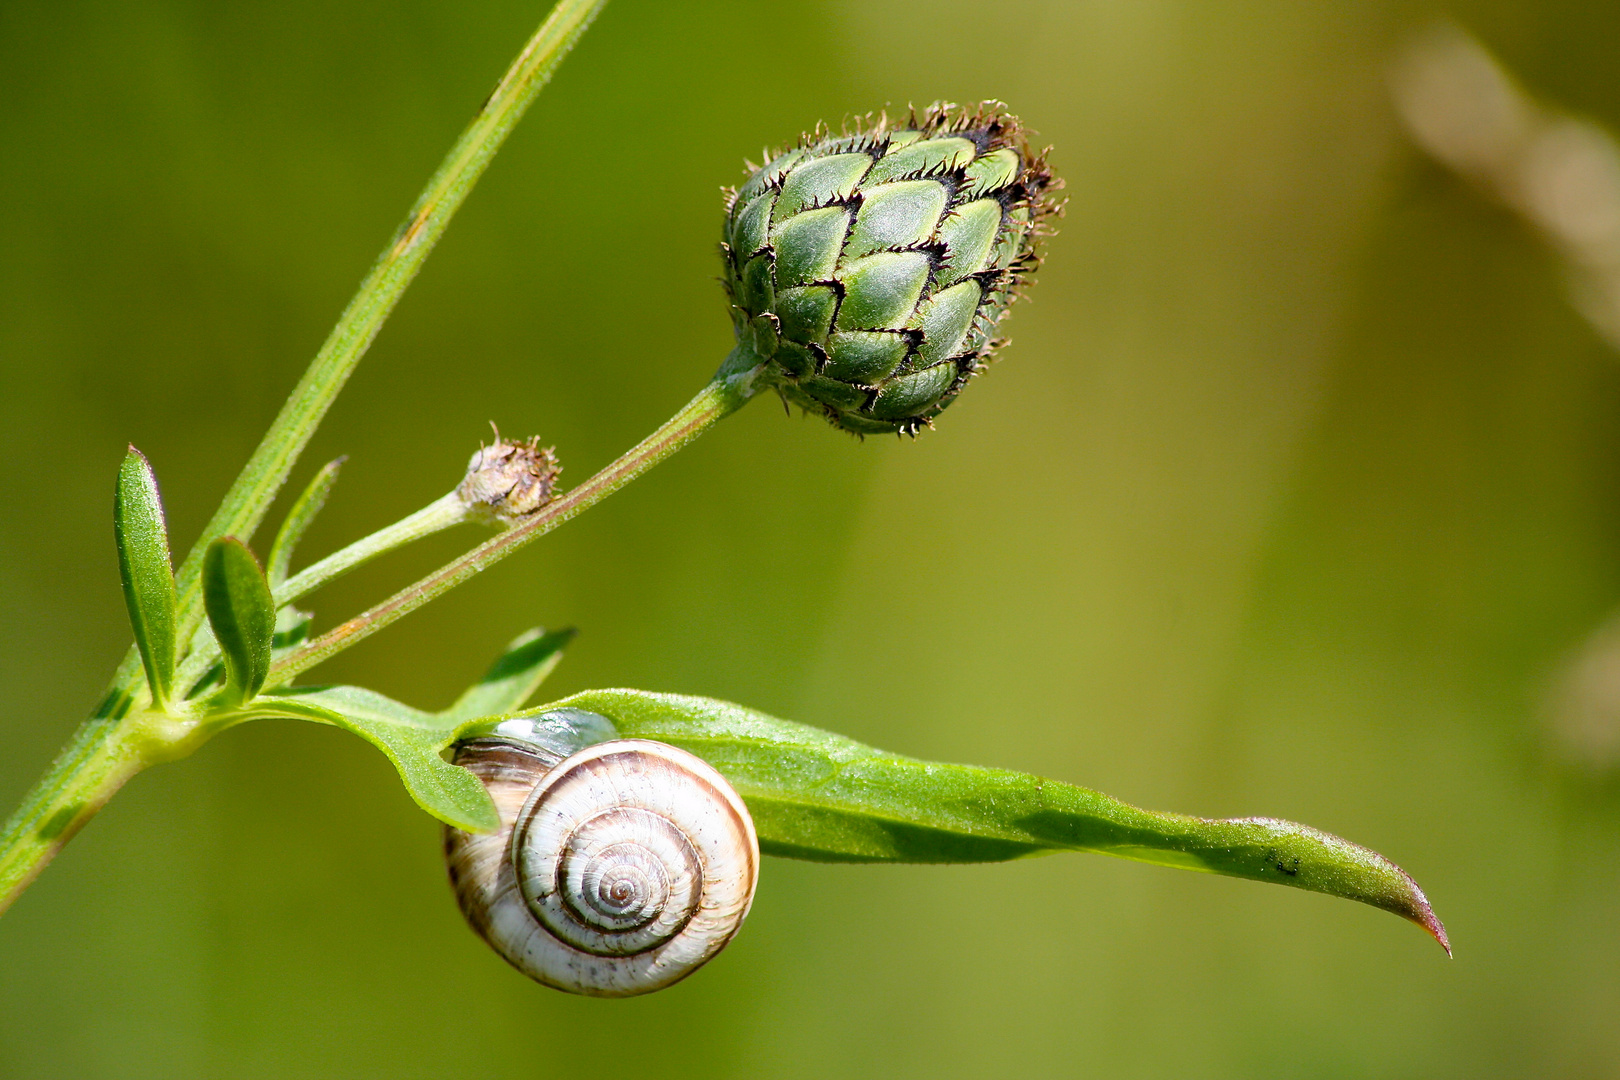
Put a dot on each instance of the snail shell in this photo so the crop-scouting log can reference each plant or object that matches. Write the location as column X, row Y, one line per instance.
column 617, row 870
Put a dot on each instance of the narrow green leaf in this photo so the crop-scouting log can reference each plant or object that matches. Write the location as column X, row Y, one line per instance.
column 243, row 617
column 144, row 568
column 513, row 678
column 297, row 522
column 413, row 740
column 816, row 795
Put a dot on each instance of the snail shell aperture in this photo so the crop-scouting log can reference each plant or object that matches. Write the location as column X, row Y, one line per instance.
column 618, row 869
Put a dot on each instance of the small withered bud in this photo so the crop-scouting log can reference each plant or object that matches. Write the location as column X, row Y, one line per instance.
column 870, row 269
column 508, row 481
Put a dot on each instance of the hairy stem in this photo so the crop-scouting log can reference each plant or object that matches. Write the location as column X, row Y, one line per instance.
column 729, row 391
column 250, row 497
column 116, row 743
column 105, row 752
column 436, row 516
column 81, row 779
column 440, row 514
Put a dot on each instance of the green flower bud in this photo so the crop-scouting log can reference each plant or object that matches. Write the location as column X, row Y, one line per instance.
column 870, row 269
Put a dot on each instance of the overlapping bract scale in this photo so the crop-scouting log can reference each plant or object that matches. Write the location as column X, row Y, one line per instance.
column 871, row 269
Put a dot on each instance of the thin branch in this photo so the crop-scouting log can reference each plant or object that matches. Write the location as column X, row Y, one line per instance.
column 727, row 393
column 245, row 505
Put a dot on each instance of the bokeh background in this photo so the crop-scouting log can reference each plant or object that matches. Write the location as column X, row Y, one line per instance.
column 1296, row 493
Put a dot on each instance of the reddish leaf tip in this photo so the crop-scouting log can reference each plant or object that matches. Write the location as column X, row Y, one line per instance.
column 1436, row 929
column 1422, row 913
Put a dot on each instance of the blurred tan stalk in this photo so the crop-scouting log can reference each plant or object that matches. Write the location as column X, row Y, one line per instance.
column 1562, row 175
column 1560, row 172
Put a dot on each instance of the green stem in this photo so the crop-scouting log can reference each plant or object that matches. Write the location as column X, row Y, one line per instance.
column 436, row 516
column 81, row 779
column 112, row 746
column 105, row 752
column 729, row 391
column 250, row 497
column 440, row 514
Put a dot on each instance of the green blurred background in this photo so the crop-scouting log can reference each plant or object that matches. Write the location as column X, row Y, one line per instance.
column 1297, row 486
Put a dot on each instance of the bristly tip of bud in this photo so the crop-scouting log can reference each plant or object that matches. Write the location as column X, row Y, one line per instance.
column 508, row 481
column 869, row 268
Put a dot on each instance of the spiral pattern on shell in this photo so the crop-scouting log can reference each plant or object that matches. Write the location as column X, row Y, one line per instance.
column 617, row 870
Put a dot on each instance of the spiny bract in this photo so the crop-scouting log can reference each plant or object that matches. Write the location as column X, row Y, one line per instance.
column 870, row 269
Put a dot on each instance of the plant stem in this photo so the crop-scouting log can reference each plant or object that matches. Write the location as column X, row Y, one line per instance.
column 250, row 497
column 729, row 391
column 440, row 514
column 115, row 744
column 79, row 782
column 104, row 753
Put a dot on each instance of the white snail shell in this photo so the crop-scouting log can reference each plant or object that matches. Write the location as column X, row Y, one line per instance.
column 617, row 870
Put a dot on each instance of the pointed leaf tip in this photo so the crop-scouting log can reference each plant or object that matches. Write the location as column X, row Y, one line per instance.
column 1437, row 930
column 514, row 677
column 1422, row 913
column 298, row 520
column 1404, row 898
column 145, row 571
column 241, row 613
column 1307, row 858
